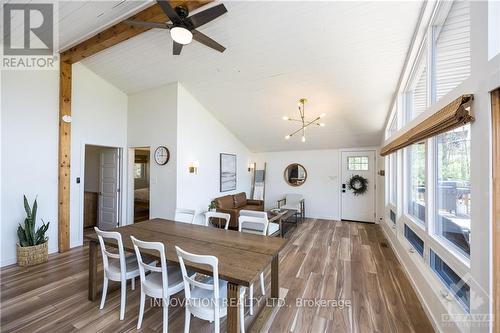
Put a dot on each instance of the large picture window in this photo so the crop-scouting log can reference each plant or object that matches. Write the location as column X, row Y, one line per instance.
column 452, row 49
column 416, row 189
column 453, row 197
column 393, row 170
column 417, row 90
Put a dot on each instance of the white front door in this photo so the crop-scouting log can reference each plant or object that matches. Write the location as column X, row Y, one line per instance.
column 108, row 189
column 359, row 207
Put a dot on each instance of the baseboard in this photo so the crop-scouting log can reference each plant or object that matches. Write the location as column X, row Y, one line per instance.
column 422, row 300
column 13, row 260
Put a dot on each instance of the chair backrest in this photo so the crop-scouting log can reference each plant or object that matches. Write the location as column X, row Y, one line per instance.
column 253, row 213
column 106, row 255
column 224, row 216
column 190, row 281
column 143, row 267
column 292, row 198
column 185, row 215
column 251, row 224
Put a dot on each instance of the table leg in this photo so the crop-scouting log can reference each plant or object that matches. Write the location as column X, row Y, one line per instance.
column 92, row 271
column 275, row 283
column 233, row 308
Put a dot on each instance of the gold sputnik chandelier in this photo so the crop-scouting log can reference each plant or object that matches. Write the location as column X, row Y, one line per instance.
column 305, row 123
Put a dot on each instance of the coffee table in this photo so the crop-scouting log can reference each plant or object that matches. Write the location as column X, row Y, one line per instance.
column 281, row 217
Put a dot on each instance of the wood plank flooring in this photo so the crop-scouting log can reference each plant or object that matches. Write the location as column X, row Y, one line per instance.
column 328, row 261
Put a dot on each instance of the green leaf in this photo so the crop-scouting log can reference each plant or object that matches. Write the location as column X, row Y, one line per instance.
column 27, row 207
column 33, row 213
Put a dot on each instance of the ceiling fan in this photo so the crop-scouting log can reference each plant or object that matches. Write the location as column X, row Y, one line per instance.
column 183, row 28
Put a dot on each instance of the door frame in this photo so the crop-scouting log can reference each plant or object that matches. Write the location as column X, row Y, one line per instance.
column 375, row 166
column 495, row 127
column 131, row 184
column 81, row 191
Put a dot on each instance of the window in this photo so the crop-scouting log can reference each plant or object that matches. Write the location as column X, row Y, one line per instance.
column 415, row 241
column 452, row 49
column 415, row 166
column 393, row 172
column 455, row 284
column 417, row 90
column 393, row 126
column 357, row 163
column 392, row 216
column 453, row 187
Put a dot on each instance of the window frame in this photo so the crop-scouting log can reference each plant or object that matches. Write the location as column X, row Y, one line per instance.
column 406, row 191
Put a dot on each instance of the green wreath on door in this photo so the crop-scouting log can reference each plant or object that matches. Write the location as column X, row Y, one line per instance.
column 358, row 185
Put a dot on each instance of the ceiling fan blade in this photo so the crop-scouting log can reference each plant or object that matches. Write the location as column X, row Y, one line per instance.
column 205, row 40
column 177, row 48
column 146, row 24
column 169, row 11
column 207, row 15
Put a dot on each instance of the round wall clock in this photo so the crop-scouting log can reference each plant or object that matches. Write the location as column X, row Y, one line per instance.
column 162, row 155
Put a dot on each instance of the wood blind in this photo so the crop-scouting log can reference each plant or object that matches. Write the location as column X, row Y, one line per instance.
column 454, row 115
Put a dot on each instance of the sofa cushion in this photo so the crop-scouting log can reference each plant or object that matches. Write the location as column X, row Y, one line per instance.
column 225, row 202
column 240, row 200
column 252, row 207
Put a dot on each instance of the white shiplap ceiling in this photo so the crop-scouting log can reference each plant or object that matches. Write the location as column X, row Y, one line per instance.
column 345, row 57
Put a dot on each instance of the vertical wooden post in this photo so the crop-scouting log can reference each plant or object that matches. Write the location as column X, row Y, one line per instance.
column 495, row 116
column 233, row 308
column 64, row 155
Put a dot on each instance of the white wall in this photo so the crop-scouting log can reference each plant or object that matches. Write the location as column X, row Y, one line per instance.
column 152, row 122
column 99, row 117
column 202, row 138
column 29, row 129
column 322, row 187
column 321, row 190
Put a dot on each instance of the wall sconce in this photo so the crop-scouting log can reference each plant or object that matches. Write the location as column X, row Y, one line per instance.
column 251, row 167
column 193, row 167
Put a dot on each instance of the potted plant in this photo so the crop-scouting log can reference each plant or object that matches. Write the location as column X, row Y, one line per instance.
column 32, row 247
column 213, row 206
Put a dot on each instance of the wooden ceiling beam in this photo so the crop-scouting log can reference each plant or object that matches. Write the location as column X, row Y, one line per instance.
column 122, row 31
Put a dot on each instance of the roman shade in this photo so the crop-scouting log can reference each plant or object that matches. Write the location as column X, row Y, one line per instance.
column 454, row 115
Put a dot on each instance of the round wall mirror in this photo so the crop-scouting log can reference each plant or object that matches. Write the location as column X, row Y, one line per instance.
column 295, row 174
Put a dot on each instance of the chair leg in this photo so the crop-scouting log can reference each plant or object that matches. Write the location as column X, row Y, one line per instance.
column 187, row 320
column 124, row 299
column 133, row 283
column 262, row 286
column 141, row 309
column 165, row 302
column 104, row 292
column 250, row 296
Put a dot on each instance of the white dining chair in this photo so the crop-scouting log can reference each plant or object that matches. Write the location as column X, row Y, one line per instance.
column 210, row 288
column 117, row 267
column 272, row 228
column 161, row 283
column 254, row 225
column 253, row 213
column 185, row 215
column 217, row 215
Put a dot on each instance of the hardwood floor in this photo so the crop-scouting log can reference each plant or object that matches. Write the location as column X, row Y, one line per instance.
column 323, row 260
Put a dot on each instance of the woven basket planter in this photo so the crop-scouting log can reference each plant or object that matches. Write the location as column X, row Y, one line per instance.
column 32, row 255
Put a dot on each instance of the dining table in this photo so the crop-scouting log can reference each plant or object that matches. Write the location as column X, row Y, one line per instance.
column 241, row 256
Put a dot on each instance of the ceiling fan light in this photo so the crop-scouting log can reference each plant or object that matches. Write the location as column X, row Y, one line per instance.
column 322, row 124
column 181, row 35
column 286, row 118
column 287, row 137
column 303, row 139
column 322, row 115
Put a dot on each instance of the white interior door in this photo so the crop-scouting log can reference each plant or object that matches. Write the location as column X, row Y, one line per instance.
column 358, row 207
column 108, row 189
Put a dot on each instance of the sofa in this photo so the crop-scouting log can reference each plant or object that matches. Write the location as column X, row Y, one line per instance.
column 232, row 204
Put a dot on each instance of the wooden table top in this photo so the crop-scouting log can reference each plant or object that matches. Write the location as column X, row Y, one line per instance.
column 241, row 256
